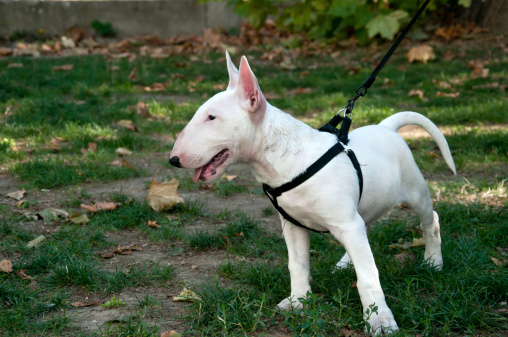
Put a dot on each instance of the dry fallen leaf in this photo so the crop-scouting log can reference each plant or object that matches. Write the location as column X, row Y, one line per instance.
column 171, row 333
column 422, row 53
column 417, row 92
column 5, row 51
column 186, row 295
column 450, row 32
column 64, row 67
column 107, row 255
column 478, row 70
column 6, row 266
column 420, row 242
column 163, row 196
column 442, row 84
column 153, row 224
column 18, row 195
column 133, row 76
column 50, row 214
column 447, row 94
column 127, row 250
column 88, row 304
column 92, row 147
column 100, row 206
column 21, row 273
column 125, row 123
column 15, row 65
column 123, row 152
column 78, row 219
column 126, row 164
column 35, row 241
column 500, row 263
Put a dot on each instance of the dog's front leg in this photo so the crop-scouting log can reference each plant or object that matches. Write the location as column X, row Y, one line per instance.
column 353, row 236
column 298, row 244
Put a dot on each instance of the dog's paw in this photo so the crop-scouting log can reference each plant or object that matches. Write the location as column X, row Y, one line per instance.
column 435, row 261
column 288, row 303
column 342, row 265
column 383, row 323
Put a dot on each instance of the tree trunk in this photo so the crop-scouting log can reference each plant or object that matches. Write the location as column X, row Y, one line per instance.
column 491, row 14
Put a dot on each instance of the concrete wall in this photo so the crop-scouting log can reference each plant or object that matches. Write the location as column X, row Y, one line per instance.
column 163, row 18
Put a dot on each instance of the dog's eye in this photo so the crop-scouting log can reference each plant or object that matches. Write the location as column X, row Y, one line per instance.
column 211, row 117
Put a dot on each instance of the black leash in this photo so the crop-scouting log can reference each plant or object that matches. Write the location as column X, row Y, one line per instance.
column 342, row 134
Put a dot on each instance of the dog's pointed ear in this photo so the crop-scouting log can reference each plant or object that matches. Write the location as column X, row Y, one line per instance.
column 252, row 98
column 233, row 73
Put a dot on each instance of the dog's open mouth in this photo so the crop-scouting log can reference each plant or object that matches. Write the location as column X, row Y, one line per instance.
column 209, row 170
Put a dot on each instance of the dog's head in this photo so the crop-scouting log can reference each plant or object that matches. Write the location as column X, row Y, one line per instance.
column 223, row 130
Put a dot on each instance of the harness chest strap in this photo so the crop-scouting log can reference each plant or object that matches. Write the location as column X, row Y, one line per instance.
column 273, row 193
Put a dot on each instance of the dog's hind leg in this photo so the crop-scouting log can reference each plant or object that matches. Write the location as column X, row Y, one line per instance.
column 417, row 198
column 344, row 262
column 298, row 244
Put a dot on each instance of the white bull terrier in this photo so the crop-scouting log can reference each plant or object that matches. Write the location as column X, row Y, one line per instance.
column 239, row 125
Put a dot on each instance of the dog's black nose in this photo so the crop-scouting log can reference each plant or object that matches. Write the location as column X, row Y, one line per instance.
column 175, row 161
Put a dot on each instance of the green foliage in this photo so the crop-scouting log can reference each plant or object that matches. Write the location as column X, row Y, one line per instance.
column 338, row 18
column 103, row 28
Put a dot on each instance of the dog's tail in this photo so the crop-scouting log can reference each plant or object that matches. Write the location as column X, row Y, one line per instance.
column 401, row 119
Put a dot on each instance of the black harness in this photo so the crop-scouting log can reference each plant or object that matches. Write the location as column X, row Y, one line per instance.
column 342, row 136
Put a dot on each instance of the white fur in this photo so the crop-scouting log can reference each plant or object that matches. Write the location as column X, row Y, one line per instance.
column 279, row 147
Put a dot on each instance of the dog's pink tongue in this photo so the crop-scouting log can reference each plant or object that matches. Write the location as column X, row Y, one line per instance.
column 197, row 174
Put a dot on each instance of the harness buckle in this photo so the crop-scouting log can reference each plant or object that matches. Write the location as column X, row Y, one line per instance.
column 346, row 147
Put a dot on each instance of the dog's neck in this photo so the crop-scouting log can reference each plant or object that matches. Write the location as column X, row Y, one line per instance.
column 283, row 148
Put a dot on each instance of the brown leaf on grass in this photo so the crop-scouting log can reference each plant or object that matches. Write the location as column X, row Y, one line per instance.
column 153, row 224
column 4, row 51
column 230, row 177
column 478, row 70
column 107, row 255
column 448, row 55
column 450, row 32
column 6, row 266
column 211, row 38
column 418, row 242
column 15, row 65
column 133, row 75
column 100, row 206
column 447, row 94
column 92, row 147
column 171, row 333
column 500, row 263
column 123, row 152
column 21, row 273
column 401, row 258
column 417, row 92
column 220, row 86
column 142, row 109
column 127, row 250
column 186, row 295
column 116, row 162
column 64, row 67
column 354, row 284
column 163, row 196
column 298, row 91
column 442, row 84
column 87, row 304
column 18, row 195
column 126, row 164
column 125, row 123
column 157, row 87
column 270, row 95
column 421, row 53
column 78, row 219
column 501, row 87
